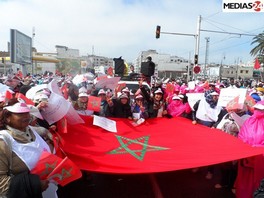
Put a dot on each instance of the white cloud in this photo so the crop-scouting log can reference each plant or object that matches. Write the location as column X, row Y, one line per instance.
column 123, row 28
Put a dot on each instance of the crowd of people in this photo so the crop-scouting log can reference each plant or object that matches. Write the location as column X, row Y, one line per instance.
column 24, row 135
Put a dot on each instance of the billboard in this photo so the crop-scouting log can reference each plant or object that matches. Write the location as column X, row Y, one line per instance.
column 21, row 47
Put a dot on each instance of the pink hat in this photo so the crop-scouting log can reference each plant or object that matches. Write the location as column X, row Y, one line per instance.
column 83, row 94
column 123, row 95
column 214, row 94
column 18, row 108
column 176, row 97
column 139, row 96
column 259, row 105
column 125, row 90
column 101, row 91
column 158, row 91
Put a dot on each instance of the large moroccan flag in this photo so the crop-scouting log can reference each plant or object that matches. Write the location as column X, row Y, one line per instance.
column 159, row 144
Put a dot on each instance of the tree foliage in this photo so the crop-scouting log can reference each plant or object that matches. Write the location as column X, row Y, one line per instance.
column 258, row 50
column 69, row 66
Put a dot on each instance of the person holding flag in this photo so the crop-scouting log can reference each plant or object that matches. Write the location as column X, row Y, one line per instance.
column 251, row 169
column 20, row 149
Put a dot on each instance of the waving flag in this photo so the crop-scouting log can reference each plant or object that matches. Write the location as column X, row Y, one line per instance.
column 8, row 95
column 24, row 99
column 54, row 168
column 169, row 88
column 94, row 103
column 46, row 164
column 250, row 102
column 65, row 172
column 257, row 64
column 233, row 104
column 157, row 145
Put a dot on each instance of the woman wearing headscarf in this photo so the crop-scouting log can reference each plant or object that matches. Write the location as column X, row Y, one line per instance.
column 20, row 149
column 251, row 170
column 139, row 108
column 119, row 107
column 157, row 107
column 177, row 107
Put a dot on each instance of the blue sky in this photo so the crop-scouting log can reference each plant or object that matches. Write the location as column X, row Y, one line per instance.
column 115, row 28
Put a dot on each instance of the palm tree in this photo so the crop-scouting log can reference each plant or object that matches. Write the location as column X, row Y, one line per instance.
column 258, row 50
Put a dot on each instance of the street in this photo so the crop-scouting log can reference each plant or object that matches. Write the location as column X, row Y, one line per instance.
column 175, row 184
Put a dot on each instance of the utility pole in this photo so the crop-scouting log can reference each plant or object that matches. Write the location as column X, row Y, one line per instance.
column 206, row 57
column 33, row 37
column 197, row 39
column 189, row 66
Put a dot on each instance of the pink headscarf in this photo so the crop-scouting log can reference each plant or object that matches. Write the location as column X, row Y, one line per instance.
column 176, row 108
column 252, row 131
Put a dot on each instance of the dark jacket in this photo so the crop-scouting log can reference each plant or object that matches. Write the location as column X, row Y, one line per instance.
column 25, row 185
column 153, row 113
column 119, row 110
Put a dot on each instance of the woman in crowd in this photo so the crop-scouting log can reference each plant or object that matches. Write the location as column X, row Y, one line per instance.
column 120, row 107
column 251, row 170
column 157, row 107
column 81, row 104
column 103, row 106
column 20, row 148
column 139, row 108
column 178, row 107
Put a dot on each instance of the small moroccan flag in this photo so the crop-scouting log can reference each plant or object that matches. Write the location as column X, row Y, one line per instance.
column 110, row 71
column 169, row 88
column 54, row 168
column 24, row 99
column 65, row 172
column 94, row 103
column 250, row 102
column 120, row 87
column 8, row 95
column 233, row 104
column 46, row 164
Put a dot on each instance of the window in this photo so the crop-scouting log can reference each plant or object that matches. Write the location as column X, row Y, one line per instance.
column 241, row 71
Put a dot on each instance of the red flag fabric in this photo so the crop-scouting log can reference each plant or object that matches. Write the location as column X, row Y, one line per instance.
column 19, row 74
column 250, row 102
column 169, row 88
column 64, row 91
column 8, row 95
column 20, row 96
column 157, row 145
column 257, row 64
column 46, row 165
column 120, row 87
column 233, row 104
column 54, row 168
column 62, row 125
column 94, row 103
column 65, row 172
column 101, row 77
column 110, row 71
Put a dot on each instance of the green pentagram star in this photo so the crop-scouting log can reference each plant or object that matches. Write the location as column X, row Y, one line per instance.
column 123, row 149
column 49, row 168
column 63, row 175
